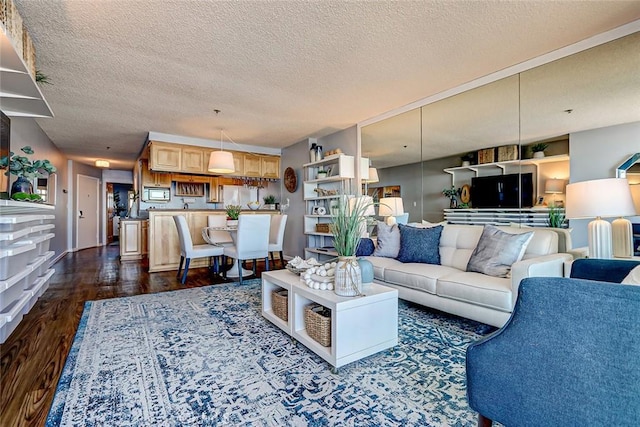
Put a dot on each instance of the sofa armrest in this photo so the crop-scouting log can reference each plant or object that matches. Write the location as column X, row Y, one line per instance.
column 543, row 266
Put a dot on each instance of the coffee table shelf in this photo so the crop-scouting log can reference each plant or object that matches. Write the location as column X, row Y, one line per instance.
column 360, row 326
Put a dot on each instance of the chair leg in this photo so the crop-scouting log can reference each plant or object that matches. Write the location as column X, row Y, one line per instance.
column 281, row 260
column 240, row 271
column 273, row 261
column 224, row 263
column 180, row 267
column 186, row 269
column 484, row 421
column 266, row 264
column 216, row 267
column 253, row 268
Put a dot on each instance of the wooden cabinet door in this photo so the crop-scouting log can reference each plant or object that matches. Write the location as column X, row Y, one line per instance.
column 130, row 243
column 162, row 180
column 238, row 164
column 193, row 160
column 144, row 237
column 197, row 221
column 165, row 157
column 146, row 176
column 271, row 167
column 213, row 190
column 252, row 165
column 163, row 237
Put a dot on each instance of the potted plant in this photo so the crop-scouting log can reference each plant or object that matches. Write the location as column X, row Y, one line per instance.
column 556, row 217
column 269, row 201
column 25, row 169
column 538, row 149
column 322, row 173
column 452, row 193
column 467, row 159
column 348, row 223
column 233, row 212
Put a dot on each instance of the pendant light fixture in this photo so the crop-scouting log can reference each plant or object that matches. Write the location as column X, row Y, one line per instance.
column 221, row 161
column 100, row 163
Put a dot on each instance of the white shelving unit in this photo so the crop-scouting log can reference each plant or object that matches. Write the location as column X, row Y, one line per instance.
column 19, row 94
column 338, row 181
column 532, row 217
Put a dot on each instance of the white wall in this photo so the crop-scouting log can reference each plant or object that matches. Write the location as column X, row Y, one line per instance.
column 25, row 131
column 596, row 154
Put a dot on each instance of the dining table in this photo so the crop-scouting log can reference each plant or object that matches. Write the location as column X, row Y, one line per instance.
column 232, row 271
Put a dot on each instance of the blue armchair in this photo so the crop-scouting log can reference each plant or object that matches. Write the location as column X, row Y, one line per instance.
column 569, row 355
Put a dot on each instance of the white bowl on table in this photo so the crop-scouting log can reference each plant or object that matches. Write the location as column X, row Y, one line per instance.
column 254, row 206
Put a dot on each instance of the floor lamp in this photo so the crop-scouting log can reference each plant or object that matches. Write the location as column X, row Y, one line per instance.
column 599, row 198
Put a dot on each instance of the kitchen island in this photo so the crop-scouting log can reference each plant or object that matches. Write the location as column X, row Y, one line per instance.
column 164, row 244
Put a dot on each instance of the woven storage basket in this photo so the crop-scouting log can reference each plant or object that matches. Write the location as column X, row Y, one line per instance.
column 279, row 304
column 317, row 321
column 322, row 228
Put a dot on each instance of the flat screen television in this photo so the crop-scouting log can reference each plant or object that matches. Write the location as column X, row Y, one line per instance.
column 502, row 191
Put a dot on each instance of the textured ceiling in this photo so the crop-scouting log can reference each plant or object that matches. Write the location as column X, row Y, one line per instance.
column 279, row 71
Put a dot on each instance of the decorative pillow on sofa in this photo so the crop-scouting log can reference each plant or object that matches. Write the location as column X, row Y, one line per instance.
column 420, row 244
column 497, row 250
column 388, row 243
column 633, row 278
column 365, row 247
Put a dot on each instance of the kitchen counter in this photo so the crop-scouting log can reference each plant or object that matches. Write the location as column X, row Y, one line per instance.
column 215, row 211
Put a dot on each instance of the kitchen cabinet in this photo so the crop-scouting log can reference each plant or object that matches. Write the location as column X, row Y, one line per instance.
column 238, row 163
column 213, row 190
column 194, row 160
column 165, row 157
column 153, row 179
column 252, row 165
column 270, row 167
column 191, row 179
column 132, row 239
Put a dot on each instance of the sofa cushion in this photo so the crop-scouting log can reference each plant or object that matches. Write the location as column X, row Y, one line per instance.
column 633, row 278
column 365, row 247
column 497, row 251
column 388, row 241
column 544, row 241
column 380, row 264
column 477, row 288
column 457, row 242
column 419, row 244
column 417, row 275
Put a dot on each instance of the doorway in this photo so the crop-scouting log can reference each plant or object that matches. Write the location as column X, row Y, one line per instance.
column 118, row 204
column 88, row 212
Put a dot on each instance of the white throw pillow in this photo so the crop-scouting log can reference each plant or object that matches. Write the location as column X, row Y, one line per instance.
column 633, row 278
column 428, row 224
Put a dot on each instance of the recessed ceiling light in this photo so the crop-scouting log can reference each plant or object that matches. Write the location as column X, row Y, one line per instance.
column 102, row 163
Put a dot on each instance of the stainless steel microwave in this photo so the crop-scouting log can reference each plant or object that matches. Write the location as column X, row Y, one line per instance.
column 156, row 194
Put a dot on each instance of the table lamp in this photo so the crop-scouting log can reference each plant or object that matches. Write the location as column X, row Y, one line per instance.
column 554, row 186
column 599, row 198
column 362, row 206
column 390, row 207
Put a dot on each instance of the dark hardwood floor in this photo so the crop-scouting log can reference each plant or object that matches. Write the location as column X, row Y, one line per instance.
column 33, row 356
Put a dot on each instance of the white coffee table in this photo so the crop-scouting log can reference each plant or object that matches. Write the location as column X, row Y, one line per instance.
column 360, row 326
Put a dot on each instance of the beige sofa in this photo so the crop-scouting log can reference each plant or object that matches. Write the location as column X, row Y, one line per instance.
column 449, row 287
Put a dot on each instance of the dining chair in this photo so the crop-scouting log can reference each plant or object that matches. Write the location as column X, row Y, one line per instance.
column 276, row 236
column 220, row 237
column 252, row 241
column 189, row 251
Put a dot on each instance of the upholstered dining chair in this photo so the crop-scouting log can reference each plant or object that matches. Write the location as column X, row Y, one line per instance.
column 189, row 251
column 217, row 237
column 252, row 241
column 276, row 236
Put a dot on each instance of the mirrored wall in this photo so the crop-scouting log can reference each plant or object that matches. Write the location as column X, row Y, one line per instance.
column 497, row 126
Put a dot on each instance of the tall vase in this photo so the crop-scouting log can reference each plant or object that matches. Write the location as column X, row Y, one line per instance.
column 21, row 185
column 453, row 203
column 348, row 277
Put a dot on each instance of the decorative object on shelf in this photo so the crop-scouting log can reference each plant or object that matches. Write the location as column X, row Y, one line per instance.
column 452, row 193
column 42, row 78
column 298, row 265
column 467, row 158
column 346, row 227
column 25, row 169
column 134, row 206
column 486, row 155
column 538, row 149
column 335, row 152
column 321, row 174
column 465, row 195
column 233, row 212
column 601, row 198
column 318, row 210
column 557, row 218
column 280, row 304
column 290, row 180
column 312, row 152
column 317, row 322
column 508, row 152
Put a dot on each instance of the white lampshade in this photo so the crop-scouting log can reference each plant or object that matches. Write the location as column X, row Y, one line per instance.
column 554, row 186
column 221, row 162
column 373, row 176
column 391, row 206
column 609, row 197
column 362, row 203
column 102, row 163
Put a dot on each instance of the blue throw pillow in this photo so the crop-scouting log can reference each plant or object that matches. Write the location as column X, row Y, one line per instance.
column 419, row 244
column 365, row 247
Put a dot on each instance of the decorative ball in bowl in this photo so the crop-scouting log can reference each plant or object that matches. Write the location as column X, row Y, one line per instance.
column 254, row 205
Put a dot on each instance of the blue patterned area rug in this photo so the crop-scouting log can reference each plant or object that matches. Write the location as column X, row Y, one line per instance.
column 207, row 357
